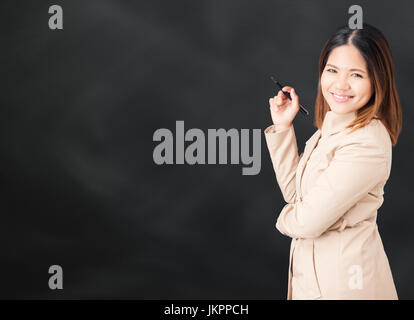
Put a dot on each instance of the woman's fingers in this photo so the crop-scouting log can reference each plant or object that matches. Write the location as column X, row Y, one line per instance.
column 280, row 99
column 281, row 94
column 295, row 98
column 291, row 91
column 272, row 102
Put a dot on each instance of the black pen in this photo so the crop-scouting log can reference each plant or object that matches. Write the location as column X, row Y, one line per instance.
column 287, row 94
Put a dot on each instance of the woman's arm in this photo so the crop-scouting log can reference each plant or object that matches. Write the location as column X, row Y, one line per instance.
column 354, row 171
column 282, row 146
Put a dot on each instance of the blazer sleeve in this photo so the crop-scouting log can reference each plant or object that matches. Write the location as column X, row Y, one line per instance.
column 355, row 169
column 283, row 151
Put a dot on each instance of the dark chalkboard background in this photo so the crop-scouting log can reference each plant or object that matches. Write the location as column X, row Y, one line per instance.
column 79, row 106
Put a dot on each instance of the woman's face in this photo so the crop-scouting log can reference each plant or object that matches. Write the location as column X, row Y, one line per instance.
column 345, row 83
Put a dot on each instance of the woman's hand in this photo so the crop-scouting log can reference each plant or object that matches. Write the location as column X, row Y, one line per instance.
column 283, row 110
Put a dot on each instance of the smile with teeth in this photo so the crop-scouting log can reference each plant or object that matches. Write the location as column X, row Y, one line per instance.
column 341, row 97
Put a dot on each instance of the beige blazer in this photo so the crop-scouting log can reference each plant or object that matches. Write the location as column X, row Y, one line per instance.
column 333, row 191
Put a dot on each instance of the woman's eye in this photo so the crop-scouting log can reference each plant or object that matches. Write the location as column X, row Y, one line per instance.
column 357, row 75
column 331, row 70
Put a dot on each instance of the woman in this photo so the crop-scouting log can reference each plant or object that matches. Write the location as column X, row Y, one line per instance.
column 334, row 189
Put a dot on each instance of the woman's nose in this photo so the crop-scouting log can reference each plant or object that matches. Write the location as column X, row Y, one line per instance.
column 342, row 83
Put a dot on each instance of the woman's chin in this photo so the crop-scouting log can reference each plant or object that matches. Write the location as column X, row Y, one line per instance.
column 341, row 108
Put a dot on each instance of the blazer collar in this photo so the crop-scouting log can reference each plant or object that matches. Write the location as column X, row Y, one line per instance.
column 336, row 122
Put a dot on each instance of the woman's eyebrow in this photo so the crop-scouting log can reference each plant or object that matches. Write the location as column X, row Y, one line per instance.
column 328, row 64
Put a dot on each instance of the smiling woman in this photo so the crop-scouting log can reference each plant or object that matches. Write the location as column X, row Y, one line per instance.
column 334, row 189
column 345, row 82
column 356, row 71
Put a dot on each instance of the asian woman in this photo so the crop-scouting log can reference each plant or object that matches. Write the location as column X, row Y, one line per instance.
column 334, row 189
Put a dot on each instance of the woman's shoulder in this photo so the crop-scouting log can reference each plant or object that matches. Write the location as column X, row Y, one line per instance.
column 373, row 134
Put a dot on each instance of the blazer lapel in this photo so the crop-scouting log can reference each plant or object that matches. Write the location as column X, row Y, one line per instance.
column 309, row 146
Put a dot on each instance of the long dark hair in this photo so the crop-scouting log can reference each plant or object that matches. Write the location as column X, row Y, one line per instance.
column 384, row 103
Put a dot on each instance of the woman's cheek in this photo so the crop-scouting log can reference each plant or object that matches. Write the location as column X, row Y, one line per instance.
column 364, row 90
column 323, row 84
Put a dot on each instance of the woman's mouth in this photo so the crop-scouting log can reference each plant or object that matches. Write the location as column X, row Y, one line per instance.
column 341, row 97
